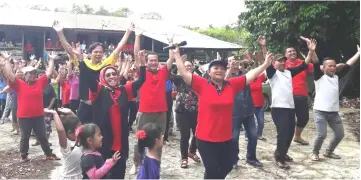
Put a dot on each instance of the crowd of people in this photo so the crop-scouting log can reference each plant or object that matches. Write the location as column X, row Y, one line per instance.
column 95, row 99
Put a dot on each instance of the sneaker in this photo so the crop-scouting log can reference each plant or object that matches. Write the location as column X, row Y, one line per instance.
column 25, row 159
column 288, row 158
column 282, row 165
column 52, row 157
column 133, row 170
column 254, row 163
column 315, row 157
column 331, row 155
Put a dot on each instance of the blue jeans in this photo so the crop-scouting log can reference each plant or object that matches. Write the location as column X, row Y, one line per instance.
column 249, row 125
column 259, row 113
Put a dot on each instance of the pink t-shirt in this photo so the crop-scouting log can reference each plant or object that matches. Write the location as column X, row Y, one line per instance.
column 74, row 87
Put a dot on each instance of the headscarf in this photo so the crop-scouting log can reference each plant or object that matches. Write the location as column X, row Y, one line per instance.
column 102, row 78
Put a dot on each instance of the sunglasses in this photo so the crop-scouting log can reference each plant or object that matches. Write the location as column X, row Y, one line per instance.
column 111, row 74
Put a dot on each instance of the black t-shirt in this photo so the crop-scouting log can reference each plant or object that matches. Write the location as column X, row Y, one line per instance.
column 88, row 161
column 48, row 95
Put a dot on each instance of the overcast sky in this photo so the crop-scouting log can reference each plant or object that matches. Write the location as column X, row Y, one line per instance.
column 196, row 13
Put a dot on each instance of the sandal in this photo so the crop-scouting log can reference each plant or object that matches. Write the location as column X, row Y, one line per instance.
column 184, row 163
column 194, row 157
column 301, row 141
column 282, row 165
column 315, row 157
column 288, row 158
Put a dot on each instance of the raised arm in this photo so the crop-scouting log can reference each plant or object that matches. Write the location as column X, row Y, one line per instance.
column 138, row 35
column 59, row 30
column 124, row 40
column 170, row 60
column 314, row 57
column 7, row 69
column 69, row 66
column 187, row 76
column 127, row 67
column 142, row 73
column 345, row 68
column 254, row 73
column 50, row 69
column 262, row 42
column 311, row 50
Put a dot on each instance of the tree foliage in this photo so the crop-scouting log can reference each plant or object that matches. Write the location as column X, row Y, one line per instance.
column 39, row 7
column 151, row 15
column 236, row 35
column 335, row 25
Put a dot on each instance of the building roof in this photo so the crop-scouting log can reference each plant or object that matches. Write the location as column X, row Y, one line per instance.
column 155, row 29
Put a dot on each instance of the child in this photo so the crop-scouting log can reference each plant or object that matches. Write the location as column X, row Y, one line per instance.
column 66, row 127
column 151, row 137
column 92, row 163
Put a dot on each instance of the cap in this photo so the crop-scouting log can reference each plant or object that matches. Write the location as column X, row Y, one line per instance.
column 217, row 62
column 28, row 69
column 279, row 57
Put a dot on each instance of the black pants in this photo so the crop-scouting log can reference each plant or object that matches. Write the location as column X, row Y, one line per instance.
column 187, row 122
column 284, row 119
column 301, row 110
column 118, row 170
column 2, row 106
column 85, row 113
column 216, row 157
column 14, row 110
column 133, row 109
column 38, row 125
column 169, row 113
column 74, row 104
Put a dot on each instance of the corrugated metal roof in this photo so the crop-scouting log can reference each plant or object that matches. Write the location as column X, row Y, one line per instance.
column 155, row 29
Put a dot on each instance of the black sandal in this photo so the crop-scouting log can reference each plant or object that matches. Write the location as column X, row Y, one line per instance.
column 282, row 165
column 288, row 158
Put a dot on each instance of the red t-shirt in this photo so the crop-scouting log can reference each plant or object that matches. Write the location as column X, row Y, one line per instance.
column 30, row 97
column 215, row 110
column 257, row 91
column 299, row 82
column 28, row 47
column 48, row 45
column 130, row 82
column 152, row 93
column 65, row 92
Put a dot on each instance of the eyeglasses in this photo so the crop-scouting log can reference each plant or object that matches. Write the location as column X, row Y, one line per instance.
column 111, row 74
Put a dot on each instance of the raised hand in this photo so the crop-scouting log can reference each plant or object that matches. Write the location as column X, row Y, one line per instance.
column 269, row 58
column 312, row 45
column 65, row 110
column 57, row 26
column 116, row 157
column 141, row 56
column 305, row 39
column 46, row 110
column 52, row 55
column 138, row 31
column 131, row 27
column 184, row 57
column 32, row 57
column 261, row 40
column 5, row 54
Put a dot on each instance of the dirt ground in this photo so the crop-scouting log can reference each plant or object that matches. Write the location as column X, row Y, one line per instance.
column 301, row 168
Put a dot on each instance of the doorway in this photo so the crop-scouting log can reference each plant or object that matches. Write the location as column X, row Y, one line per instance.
column 36, row 39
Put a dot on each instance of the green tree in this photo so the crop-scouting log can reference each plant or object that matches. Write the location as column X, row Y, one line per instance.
column 87, row 9
column 60, row 9
column 151, row 15
column 334, row 24
column 76, row 9
column 102, row 11
column 39, row 7
column 122, row 12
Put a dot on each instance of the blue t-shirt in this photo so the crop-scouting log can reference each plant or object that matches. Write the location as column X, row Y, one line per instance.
column 2, row 86
column 168, row 86
column 149, row 169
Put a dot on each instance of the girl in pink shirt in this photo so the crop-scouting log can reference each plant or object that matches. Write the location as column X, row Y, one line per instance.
column 73, row 76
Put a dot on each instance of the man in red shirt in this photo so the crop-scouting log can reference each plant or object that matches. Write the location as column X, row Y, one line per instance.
column 152, row 103
column 30, row 111
column 300, row 91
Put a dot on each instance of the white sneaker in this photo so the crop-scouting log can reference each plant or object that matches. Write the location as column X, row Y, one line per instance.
column 133, row 170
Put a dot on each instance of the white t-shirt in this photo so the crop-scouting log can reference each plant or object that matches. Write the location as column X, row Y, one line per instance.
column 327, row 93
column 281, row 87
column 71, row 168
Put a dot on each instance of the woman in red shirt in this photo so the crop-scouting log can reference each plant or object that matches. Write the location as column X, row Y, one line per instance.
column 215, row 108
column 258, row 102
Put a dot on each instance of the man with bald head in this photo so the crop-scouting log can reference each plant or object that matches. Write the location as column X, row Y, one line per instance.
column 326, row 104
